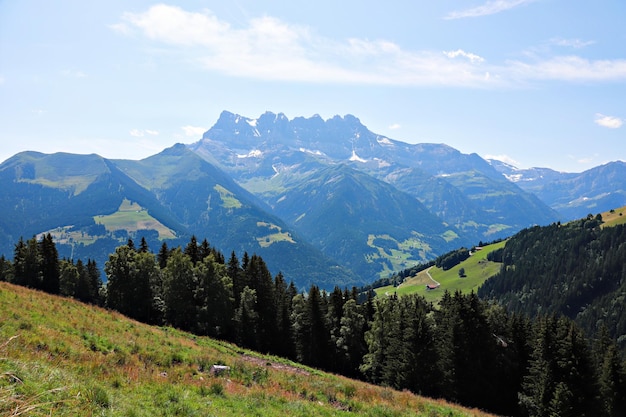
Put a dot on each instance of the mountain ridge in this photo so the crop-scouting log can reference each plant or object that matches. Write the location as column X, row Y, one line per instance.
column 399, row 203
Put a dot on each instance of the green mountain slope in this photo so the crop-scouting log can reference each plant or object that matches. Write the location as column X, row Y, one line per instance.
column 362, row 222
column 78, row 198
column 61, row 357
column 477, row 269
column 575, row 269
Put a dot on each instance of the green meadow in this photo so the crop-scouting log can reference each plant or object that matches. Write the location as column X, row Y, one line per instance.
column 132, row 217
column 59, row 357
column 477, row 270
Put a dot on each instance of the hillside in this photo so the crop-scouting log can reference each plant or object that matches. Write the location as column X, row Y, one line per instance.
column 574, row 269
column 573, row 195
column 477, row 270
column 61, row 357
column 91, row 205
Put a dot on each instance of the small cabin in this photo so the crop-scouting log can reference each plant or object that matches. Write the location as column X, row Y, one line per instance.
column 431, row 286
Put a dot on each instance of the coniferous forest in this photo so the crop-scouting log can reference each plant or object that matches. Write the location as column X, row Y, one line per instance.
column 467, row 350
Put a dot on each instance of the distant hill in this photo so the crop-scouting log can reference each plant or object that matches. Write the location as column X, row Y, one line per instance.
column 61, row 357
column 573, row 195
column 575, row 269
column 78, row 199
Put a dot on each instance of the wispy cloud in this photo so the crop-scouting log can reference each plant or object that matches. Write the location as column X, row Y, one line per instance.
column 567, row 68
column 395, row 126
column 194, row 131
column 610, row 122
column 490, row 7
column 268, row 48
column 570, row 43
column 138, row 133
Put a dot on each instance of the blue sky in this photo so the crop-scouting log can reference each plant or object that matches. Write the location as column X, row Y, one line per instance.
column 533, row 82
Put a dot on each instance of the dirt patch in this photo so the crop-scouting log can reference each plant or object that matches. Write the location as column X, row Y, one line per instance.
column 275, row 365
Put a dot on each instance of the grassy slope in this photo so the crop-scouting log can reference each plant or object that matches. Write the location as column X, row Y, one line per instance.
column 617, row 216
column 60, row 357
column 133, row 217
column 477, row 270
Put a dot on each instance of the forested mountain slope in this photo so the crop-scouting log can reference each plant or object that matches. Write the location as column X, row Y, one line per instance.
column 576, row 269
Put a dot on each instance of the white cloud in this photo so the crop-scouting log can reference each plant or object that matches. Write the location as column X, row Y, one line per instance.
column 194, row 131
column 460, row 52
column 152, row 132
column 611, row 122
column 395, row 126
column 490, row 7
column 269, row 49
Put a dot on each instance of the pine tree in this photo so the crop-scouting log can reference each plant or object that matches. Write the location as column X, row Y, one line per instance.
column 246, row 319
column 179, row 287
column 260, row 280
column 283, row 294
column 26, row 264
column 351, row 341
column 214, row 298
column 143, row 246
column 6, row 269
column 162, row 256
column 95, row 282
column 68, row 278
column 49, row 265
column 192, row 250
column 301, row 325
column 377, row 340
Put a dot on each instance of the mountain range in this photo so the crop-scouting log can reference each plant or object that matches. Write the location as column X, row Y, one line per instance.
column 322, row 201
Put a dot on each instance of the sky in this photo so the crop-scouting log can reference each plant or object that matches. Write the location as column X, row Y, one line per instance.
column 536, row 83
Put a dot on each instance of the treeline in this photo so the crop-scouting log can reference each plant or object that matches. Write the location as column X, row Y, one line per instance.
column 466, row 350
column 576, row 269
column 36, row 264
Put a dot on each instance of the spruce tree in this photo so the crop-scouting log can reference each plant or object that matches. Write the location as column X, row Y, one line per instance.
column 246, row 319
column 49, row 265
column 214, row 298
column 179, row 287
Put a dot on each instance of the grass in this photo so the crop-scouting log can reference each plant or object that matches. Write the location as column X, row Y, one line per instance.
column 477, row 270
column 276, row 235
column 61, row 357
column 229, row 200
column 614, row 217
column 66, row 236
column 132, row 217
column 400, row 255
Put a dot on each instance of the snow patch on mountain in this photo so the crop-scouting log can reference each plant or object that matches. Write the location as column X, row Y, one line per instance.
column 312, row 152
column 356, row 158
column 384, row 142
column 255, row 153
